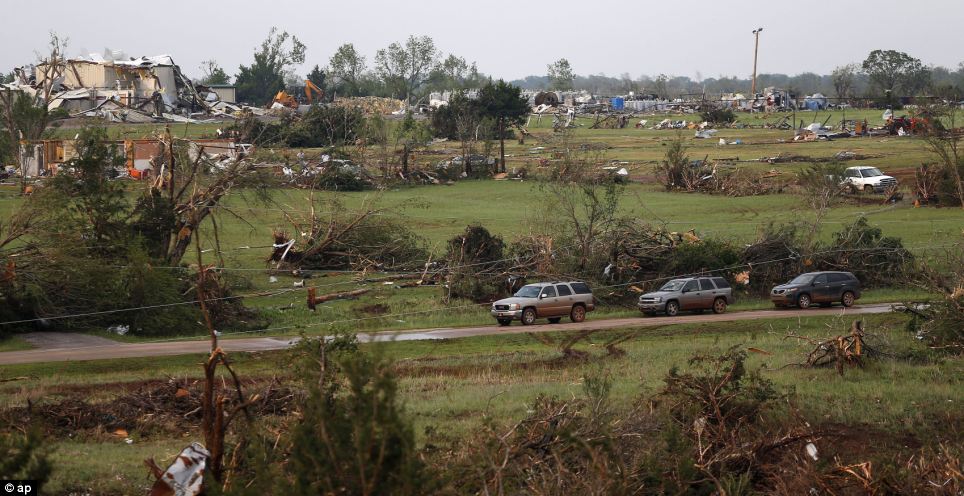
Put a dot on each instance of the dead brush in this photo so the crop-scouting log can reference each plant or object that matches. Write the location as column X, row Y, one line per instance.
column 565, row 344
column 846, row 350
column 720, row 405
column 929, row 471
column 562, row 447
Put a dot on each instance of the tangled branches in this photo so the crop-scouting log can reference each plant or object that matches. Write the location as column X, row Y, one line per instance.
column 840, row 351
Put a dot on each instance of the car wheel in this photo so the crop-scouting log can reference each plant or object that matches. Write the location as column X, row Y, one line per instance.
column 719, row 305
column 848, row 299
column 505, row 322
column 868, row 189
column 578, row 313
column 672, row 308
column 528, row 316
column 803, row 301
column 555, row 320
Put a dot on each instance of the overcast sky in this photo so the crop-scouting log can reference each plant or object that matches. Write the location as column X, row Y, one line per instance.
column 508, row 39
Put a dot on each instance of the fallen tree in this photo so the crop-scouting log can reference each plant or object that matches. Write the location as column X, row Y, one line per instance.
column 363, row 239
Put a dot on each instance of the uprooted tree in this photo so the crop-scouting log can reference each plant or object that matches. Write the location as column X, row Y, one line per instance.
column 25, row 111
column 940, row 323
column 477, row 265
column 329, row 236
column 944, row 142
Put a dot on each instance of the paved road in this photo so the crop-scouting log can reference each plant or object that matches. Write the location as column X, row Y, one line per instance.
column 98, row 351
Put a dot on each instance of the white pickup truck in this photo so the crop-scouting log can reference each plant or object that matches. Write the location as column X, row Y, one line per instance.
column 867, row 179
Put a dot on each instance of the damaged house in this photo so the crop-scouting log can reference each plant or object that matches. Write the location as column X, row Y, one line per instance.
column 121, row 89
column 143, row 158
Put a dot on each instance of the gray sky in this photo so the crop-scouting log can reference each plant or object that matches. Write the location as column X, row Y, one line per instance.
column 508, row 39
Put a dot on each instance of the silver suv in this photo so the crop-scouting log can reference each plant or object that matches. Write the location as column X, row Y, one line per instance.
column 691, row 293
column 550, row 300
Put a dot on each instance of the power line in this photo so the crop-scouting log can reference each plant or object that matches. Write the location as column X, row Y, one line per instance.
column 146, row 307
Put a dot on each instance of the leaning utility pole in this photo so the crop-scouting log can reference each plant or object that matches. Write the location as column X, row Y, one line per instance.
column 756, row 49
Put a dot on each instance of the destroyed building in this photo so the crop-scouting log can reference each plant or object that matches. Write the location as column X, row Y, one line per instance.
column 142, row 157
column 122, row 88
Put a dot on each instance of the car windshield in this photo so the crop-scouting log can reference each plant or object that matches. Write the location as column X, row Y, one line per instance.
column 528, row 292
column 674, row 285
column 802, row 279
column 871, row 172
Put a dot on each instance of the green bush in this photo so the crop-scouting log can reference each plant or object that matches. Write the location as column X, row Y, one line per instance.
column 718, row 116
column 23, row 456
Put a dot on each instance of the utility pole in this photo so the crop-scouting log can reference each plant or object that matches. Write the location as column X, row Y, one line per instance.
column 756, row 49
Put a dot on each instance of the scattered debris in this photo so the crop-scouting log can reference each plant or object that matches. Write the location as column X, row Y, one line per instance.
column 185, row 475
column 314, row 300
column 119, row 329
column 372, row 105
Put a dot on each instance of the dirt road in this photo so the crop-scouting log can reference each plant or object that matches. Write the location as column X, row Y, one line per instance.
column 166, row 348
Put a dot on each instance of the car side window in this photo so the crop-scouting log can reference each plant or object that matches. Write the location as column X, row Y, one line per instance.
column 706, row 285
column 581, row 288
column 549, row 292
column 564, row 290
column 821, row 279
column 721, row 283
column 692, row 286
column 839, row 278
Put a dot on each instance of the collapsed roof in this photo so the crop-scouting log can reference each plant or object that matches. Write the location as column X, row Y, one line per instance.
column 98, row 85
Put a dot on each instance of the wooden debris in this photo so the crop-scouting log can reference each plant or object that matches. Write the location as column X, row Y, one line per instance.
column 314, row 300
column 849, row 349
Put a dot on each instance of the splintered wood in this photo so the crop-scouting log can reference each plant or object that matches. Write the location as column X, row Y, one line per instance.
column 844, row 350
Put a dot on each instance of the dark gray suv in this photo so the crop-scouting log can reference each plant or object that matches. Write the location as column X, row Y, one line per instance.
column 824, row 288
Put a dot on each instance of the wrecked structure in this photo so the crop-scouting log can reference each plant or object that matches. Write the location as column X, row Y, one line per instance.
column 121, row 89
column 142, row 157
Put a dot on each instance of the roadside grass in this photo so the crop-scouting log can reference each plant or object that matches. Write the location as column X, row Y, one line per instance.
column 449, row 387
column 461, row 388
column 14, row 343
column 110, row 466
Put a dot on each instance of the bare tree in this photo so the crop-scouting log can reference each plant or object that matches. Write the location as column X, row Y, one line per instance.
column 822, row 186
column 844, row 78
column 944, row 141
column 583, row 199
column 25, row 111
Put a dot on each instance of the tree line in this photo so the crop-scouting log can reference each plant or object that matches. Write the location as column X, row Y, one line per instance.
column 882, row 73
column 412, row 69
column 406, row 70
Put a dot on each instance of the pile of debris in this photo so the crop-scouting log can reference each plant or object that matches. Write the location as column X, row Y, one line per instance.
column 372, row 105
column 158, row 407
column 328, row 174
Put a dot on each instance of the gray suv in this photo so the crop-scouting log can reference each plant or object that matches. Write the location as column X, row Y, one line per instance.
column 825, row 288
column 691, row 293
column 550, row 300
